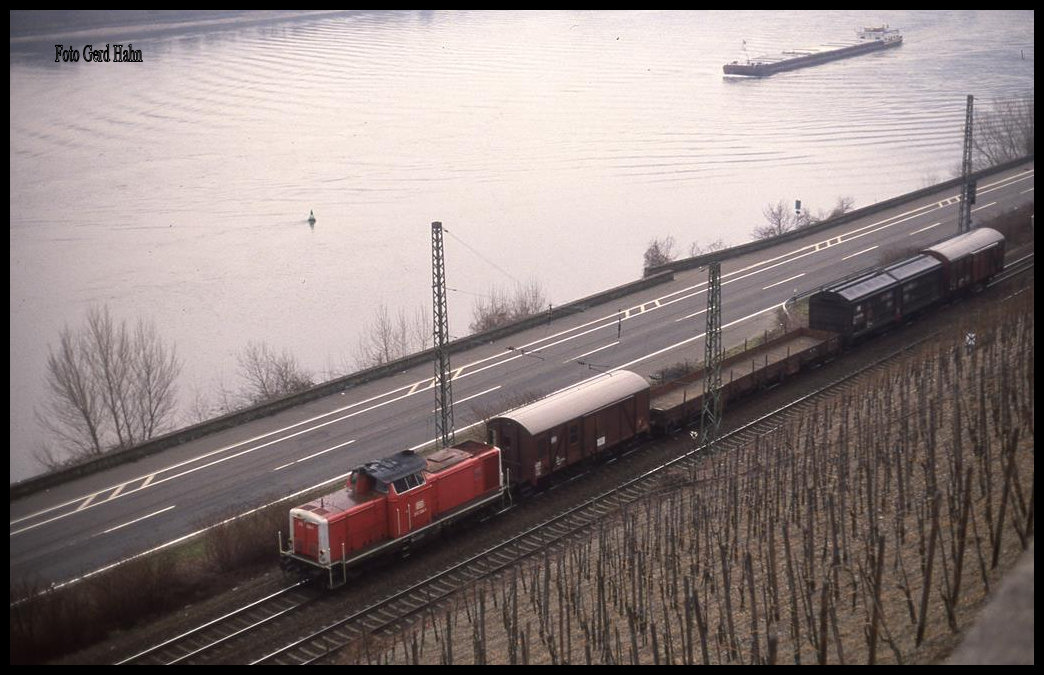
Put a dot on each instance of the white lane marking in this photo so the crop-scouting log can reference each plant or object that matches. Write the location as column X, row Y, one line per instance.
column 924, row 229
column 593, row 351
column 694, row 337
column 778, row 283
column 313, row 455
column 428, row 385
column 138, row 520
column 481, row 393
column 865, row 250
column 689, row 316
column 468, row 398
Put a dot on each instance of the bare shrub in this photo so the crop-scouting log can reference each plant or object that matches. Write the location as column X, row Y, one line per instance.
column 244, row 541
column 676, row 370
column 268, row 375
column 659, row 252
column 695, row 249
column 50, row 623
column 390, row 338
column 47, row 623
column 781, row 219
column 157, row 586
column 1016, row 225
column 501, row 307
column 843, row 206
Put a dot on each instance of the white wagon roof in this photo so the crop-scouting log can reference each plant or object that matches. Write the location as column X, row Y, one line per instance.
column 966, row 243
column 568, row 404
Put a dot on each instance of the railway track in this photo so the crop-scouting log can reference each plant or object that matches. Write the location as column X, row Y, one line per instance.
column 392, row 614
column 280, row 611
column 202, row 643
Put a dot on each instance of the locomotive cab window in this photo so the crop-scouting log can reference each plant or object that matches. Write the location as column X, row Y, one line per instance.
column 408, row 482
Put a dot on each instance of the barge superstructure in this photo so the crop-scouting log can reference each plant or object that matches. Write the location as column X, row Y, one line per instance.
column 871, row 39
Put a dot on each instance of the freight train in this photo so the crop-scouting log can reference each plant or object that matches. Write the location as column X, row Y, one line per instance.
column 389, row 504
column 857, row 307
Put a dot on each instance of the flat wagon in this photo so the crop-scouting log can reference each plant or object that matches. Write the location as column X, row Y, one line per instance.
column 677, row 404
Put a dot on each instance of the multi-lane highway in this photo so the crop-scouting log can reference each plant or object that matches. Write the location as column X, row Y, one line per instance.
column 93, row 522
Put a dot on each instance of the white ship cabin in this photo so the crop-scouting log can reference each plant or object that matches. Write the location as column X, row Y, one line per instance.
column 880, row 33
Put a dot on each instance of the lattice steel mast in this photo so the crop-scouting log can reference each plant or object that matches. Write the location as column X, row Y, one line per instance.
column 710, row 415
column 967, row 185
column 443, row 389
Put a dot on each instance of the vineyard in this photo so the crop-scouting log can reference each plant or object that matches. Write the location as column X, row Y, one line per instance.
column 868, row 530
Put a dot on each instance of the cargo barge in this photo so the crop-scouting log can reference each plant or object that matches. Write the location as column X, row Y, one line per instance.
column 871, row 39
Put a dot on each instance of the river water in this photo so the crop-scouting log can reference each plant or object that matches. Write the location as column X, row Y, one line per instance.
column 552, row 145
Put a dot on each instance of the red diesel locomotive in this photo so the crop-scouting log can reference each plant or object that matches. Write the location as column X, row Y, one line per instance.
column 389, row 503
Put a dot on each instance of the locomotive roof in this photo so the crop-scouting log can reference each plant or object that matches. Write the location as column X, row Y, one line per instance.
column 399, row 465
column 966, row 243
column 578, row 400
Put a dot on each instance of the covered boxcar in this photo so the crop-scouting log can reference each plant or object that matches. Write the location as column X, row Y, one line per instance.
column 854, row 307
column 389, row 503
column 970, row 259
column 571, row 425
column 920, row 284
column 874, row 300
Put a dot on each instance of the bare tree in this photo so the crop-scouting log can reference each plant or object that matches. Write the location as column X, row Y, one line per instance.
column 1004, row 132
column 659, row 252
column 73, row 409
column 389, row 339
column 843, row 206
column 154, row 369
column 780, row 221
column 500, row 307
column 695, row 249
column 109, row 387
column 220, row 399
column 491, row 311
column 269, row 375
column 529, row 299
